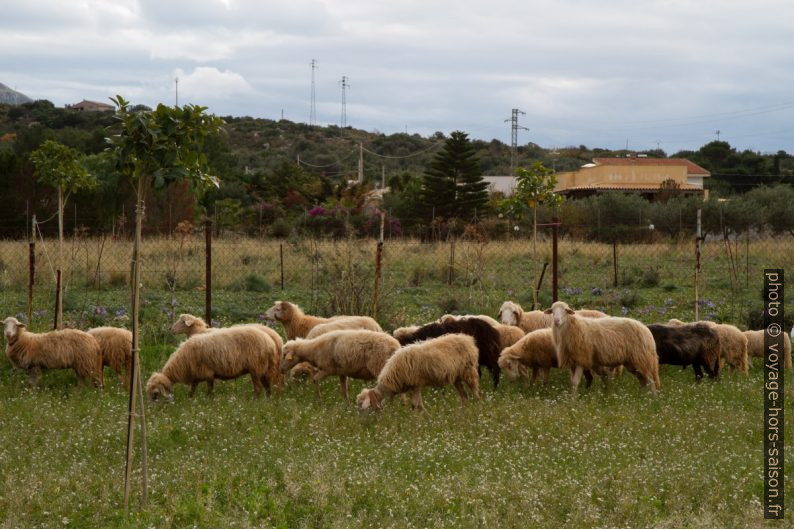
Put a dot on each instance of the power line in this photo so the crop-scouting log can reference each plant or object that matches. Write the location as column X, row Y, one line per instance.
column 340, row 160
column 417, row 153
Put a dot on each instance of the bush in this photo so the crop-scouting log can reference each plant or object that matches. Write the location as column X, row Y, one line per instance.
column 281, row 228
column 255, row 283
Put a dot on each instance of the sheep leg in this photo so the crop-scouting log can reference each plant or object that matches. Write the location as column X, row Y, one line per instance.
column 576, row 376
column 588, row 377
column 257, row 384
column 699, row 371
column 416, row 399
column 464, row 398
column 343, row 387
column 546, row 371
column 210, row 386
column 318, row 376
column 534, row 376
column 33, row 376
column 193, row 386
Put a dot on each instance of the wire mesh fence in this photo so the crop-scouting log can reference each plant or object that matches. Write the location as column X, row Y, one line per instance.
column 645, row 276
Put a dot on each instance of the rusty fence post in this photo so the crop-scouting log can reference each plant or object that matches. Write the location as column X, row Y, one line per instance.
column 31, row 277
column 378, row 267
column 615, row 262
column 57, row 298
column 451, row 270
column 281, row 262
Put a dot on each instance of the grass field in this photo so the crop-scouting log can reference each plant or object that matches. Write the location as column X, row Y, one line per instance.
column 690, row 456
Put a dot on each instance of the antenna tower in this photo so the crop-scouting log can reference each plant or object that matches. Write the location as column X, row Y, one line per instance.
column 345, row 85
column 514, row 128
column 313, row 107
column 176, row 90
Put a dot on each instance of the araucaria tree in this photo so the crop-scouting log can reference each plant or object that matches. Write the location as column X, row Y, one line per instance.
column 61, row 167
column 154, row 149
column 453, row 187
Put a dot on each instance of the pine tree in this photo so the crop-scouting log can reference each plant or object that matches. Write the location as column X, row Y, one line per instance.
column 453, row 186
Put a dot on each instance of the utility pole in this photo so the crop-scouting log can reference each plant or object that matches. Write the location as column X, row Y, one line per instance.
column 313, row 107
column 176, row 89
column 360, row 163
column 345, row 85
column 514, row 128
column 718, row 135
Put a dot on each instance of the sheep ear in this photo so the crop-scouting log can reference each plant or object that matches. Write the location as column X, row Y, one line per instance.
column 547, row 311
column 188, row 321
column 569, row 311
column 365, row 403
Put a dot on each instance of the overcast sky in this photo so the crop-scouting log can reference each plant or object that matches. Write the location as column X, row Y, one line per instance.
column 599, row 73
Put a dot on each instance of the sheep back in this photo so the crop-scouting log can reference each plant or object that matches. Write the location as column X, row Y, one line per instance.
column 697, row 345
column 755, row 346
column 357, row 353
column 115, row 345
column 345, row 323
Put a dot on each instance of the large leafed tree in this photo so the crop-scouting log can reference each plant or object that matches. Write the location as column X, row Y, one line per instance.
column 155, row 149
column 453, row 186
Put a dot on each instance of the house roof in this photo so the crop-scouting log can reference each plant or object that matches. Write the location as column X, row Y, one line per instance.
column 693, row 169
column 627, row 187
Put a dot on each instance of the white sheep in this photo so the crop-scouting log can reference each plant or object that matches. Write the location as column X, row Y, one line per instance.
column 297, row 324
column 115, row 345
column 536, row 350
column 401, row 332
column 357, row 354
column 755, row 346
column 63, row 349
column 733, row 344
column 512, row 314
column 221, row 354
column 448, row 359
column 191, row 325
column 587, row 343
column 449, row 317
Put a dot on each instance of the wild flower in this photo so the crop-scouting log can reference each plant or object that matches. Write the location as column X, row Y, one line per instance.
column 595, row 291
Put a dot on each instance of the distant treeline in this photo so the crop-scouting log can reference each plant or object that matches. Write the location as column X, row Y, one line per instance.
column 280, row 177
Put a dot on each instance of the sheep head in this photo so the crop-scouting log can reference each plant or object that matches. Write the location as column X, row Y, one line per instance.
column 11, row 328
column 511, row 366
column 369, row 398
column 560, row 312
column 510, row 313
column 289, row 358
column 281, row 311
column 159, row 387
column 184, row 324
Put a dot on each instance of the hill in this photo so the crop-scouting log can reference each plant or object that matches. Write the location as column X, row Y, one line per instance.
column 12, row 97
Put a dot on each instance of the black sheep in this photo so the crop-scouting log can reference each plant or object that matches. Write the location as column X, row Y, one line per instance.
column 485, row 336
column 696, row 344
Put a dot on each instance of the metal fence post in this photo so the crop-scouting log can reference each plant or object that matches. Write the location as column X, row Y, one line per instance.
column 378, row 265
column 281, row 262
column 57, row 298
column 554, row 272
column 698, row 238
column 615, row 262
column 208, row 271
column 451, row 271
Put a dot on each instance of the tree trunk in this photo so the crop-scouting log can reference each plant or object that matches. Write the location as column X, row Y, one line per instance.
column 136, row 387
column 59, row 294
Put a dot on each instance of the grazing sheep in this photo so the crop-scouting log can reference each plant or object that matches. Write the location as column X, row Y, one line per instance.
column 682, row 345
column 346, row 353
column 537, row 350
column 486, row 337
column 755, row 346
column 191, row 325
column 401, row 332
column 451, row 317
column 345, row 323
column 733, row 344
column 449, row 359
column 64, row 349
column 508, row 334
column 512, row 314
column 115, row 345
column 297, row 324
column 222, row 354
column 584, row 343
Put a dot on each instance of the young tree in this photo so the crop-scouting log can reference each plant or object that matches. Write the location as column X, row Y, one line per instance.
column 454, row 185
column 534, row 187
column 61, row 167
column 155, row 149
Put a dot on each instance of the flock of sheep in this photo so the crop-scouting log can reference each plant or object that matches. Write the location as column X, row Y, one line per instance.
column 450, row 351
